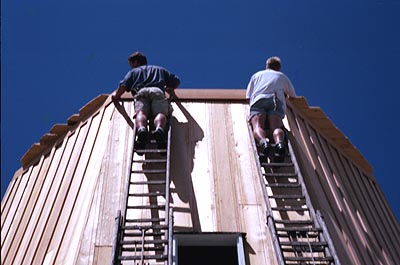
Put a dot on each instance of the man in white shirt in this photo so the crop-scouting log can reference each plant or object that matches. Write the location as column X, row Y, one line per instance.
column 267, row 91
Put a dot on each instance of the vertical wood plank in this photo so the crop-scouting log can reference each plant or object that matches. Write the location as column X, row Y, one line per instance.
column 49, row 199
column 116, row 163
column 224, row 168
column 324, row 196
column 347, row 212
column 16, row 202
column 351, row 196
column 28, row 204
column 365, row 185
column 73, row 236
column 72, row 204
column 61, row 201
column 32, row 227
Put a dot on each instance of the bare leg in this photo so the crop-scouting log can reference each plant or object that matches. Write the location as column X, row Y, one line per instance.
column 160, row 121
column 258, row 123
column 275, row 124
column 141, row 119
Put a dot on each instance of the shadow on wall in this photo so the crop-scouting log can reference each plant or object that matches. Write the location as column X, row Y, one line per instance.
column 184, row 137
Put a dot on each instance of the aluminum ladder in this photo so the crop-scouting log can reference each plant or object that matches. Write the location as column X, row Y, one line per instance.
column 299, row 233
column 143, row 229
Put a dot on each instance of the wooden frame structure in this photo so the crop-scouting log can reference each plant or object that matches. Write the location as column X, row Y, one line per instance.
column 61, row 205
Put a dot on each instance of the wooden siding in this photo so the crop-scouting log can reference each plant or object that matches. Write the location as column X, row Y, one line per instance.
column 60, row 206
column 214, row 175
column 362, row 225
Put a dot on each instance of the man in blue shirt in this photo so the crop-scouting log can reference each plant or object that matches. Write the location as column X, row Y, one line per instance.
column 148, row 84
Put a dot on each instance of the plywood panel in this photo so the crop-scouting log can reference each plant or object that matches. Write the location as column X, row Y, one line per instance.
column 202, row 171
column 248, row 182
column 258, row 249
column 224, row 162
column 186, row 137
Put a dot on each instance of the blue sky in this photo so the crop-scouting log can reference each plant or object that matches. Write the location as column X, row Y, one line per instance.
column 341, row 55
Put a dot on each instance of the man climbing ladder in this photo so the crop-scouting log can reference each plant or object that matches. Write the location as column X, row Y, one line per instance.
column 266, row 92
column 148, row 84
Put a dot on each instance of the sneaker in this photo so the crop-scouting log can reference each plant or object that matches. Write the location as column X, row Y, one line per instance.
column 279, row 152
column 142, row 134
column 160, row 137
column 141, row 140
column 139, row 147
column 265, row 148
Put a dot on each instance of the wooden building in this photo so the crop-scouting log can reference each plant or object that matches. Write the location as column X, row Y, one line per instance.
column 61, row 205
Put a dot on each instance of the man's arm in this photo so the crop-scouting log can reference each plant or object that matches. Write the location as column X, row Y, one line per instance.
column 118, row 93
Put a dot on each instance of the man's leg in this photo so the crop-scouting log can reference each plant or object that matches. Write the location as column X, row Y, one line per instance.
column 275, row 123
column 258, row 124
column 160, row 121
column 260, row 133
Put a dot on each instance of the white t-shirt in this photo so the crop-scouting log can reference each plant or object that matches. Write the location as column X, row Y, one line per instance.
column 266, row 84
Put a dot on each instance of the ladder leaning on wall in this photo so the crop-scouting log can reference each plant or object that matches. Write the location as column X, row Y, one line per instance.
column 299, row 232
column 143, row 229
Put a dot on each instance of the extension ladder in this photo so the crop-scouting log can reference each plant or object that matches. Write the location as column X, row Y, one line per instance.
column 143, row 233
column 298, row 231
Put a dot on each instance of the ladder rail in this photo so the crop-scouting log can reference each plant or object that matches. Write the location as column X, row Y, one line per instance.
column 168, row 232
column 123, row 225
column 270, row 217
column 301, row 242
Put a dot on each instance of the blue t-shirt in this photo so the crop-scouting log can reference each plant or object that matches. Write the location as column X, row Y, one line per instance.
column 149, row 76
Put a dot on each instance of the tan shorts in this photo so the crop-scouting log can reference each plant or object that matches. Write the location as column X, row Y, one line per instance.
column 152, row 100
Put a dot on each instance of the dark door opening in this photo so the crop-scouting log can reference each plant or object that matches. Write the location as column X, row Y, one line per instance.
column 207, row 255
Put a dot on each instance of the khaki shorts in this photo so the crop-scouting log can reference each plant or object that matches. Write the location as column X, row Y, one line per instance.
column 152, row 101
column 269, row 106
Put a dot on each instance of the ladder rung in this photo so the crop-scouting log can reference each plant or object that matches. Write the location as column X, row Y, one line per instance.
column 151, row 151
column 298, row 229
column 287, row 197
column 148, row 233
column 273, row 164
column 150, row 182
column 149, row 171
column 283, row 185
column 151, row 206
column 144, row 220
column 286, row 175
column 146, row 248
column 141, row 227
column 305, row 259
column 295, row 209
column 302, row 244
column 144, row 161
column 138, row 242
column 148, row 194
column 294, row 222
column 139, row 257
